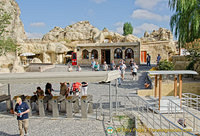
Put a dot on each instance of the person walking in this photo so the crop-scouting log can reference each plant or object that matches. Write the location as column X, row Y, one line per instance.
column 158, row 59
column 21, row 110
column 131, row 64
column 134, row 73
column 148, row 60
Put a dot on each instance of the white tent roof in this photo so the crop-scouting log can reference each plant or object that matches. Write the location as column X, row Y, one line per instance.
column 27, row 54
column 173, row 72
column 56, row 77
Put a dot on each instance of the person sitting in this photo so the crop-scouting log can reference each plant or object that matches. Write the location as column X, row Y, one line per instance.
column 96, row 67
column 78, row 68
column 70, row 69
column 76, row 88
column 84, row 88
column 39, row 92
column 48, row 92
column 64, row 91
column 105, row 66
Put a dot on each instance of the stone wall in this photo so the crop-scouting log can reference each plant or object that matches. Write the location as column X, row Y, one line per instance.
column 82, row 61
column 165, row 48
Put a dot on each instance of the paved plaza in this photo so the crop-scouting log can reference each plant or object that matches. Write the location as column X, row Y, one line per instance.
column 62, row 126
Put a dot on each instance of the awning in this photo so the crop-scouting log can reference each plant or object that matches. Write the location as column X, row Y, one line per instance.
column 27, row 54
column 56, row 77
column 174, row 72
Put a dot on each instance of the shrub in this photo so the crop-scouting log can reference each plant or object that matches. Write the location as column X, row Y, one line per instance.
column 165, row 65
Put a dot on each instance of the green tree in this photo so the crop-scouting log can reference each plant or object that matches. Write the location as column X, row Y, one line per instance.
column 6, row 44
column 185, row 22
column 127, row 28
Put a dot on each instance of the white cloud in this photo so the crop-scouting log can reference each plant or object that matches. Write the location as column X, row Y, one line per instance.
column 99, row 1
column 119, row 27
column 147, row 4
column 34, row 35
column 139, row 30
column 145, row 14
column 38, row 24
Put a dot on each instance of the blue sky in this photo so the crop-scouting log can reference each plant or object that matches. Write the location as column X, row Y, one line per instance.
column 40, row 16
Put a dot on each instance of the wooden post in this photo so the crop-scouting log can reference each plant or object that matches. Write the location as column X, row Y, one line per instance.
column 156, row 86
column 180, row 86
column 180, row 89
column 160, row 87
column 175, row 85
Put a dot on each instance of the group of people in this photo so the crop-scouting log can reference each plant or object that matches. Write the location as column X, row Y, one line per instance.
column 149, row 59
column 22, row 109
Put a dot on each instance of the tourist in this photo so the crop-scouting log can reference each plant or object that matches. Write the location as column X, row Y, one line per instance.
column 158, row 59
column 48, row 92
column 119, row 79
column 70, row 69
column 112, row 65
column 93, row 63
column 105, row 66
column 37, row 94
column 64, row 91
column 21, row 110
column 84, row 88
column 96, row 67
column 148, row 60
column 131, row 64
column 78, row 68
column 122, row 67
column 134, row 73
column 76, row 88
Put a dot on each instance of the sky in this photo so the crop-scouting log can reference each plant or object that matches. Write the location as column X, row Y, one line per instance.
column 40, row 16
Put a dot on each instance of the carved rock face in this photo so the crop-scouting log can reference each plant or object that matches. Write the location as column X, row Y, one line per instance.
column 15, row 28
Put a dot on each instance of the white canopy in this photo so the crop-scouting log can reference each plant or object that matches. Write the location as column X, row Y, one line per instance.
column 173, row 72
column 56, row 77
column 27, row 54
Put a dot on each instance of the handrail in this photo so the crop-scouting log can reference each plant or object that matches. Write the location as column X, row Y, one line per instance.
column 154, row 110
column 145, row 114
column 184, row 109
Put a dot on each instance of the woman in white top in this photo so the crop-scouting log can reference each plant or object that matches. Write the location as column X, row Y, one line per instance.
column 134, row 73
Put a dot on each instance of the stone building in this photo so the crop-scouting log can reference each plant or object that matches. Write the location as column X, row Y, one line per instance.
column 107, row 52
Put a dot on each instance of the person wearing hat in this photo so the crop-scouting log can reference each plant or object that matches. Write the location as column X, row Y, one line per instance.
column 21, row 110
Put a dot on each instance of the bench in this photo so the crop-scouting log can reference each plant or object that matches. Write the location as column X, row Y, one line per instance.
column 6, row 98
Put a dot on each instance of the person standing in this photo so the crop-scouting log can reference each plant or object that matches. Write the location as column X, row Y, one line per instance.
column 93, row 63
column 122, row 68
column 148, row 60
column 134, row 73
column 105, row 66
column 112, row 65
column 158, row 59
column 21, row 110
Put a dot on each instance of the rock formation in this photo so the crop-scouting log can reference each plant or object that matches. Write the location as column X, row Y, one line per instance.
column 83, row 31
column 161, row 34
column 15, row 28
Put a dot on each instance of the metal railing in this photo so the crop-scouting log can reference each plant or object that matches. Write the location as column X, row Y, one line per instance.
column 156, row 122
column 176, row 112
column 191, row 100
